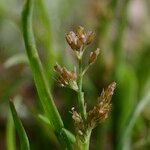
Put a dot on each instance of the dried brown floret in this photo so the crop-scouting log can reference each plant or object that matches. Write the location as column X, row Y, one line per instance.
column 65, row 77
column 73, row 41
column 90, row 37
column 77, row 40
column 93, row 56
column 78, row 123
column 80, row 32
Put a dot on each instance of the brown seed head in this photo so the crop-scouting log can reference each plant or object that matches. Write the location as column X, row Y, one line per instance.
column 93, row 56
column 78, row 39
column 73, row 41
column 106, row 95
column 100, row 112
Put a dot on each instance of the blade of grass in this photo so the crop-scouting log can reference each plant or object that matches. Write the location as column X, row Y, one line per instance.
column 37, row 69
column 126, row 133
column 47, row 39
column 70, row 136
column 10, row 134
column 24, row 142
column 44, row 119
column 39, row 75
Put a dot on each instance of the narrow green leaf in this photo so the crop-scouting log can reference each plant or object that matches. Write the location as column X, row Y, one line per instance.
column 47, row 40
column 39, row 75
column 44, row 119
column 69, row 135
column 126, row 134
column 10, row 134
column 24, row 142
column 37, row 69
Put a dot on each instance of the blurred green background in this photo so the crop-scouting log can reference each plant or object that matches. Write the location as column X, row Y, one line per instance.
column 122, row 30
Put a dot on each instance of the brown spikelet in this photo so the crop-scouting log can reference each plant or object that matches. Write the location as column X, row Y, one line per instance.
column 78, row 123
column 100, row 112
column 93, row 56
column 90, row 37
column 77, row 39
column 65, row 77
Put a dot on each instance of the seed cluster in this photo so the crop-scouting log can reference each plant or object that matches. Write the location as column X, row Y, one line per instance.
column 78, row 39
column 100, row 112
column 96, row 115
column 66, row 78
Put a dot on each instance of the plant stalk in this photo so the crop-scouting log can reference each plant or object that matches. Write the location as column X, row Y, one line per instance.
column 84, row 145
column 82, row 108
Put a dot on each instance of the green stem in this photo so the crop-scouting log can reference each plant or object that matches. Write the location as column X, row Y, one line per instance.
column 80, row 93
column 82, row 109
column 87, row 143
column 40, row 77
column 84, row 145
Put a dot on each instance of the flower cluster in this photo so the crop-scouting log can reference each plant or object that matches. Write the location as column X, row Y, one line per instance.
column 84, row 121
column 100, row 112
column 66, row 78
column 78, row 123
column 79, row 39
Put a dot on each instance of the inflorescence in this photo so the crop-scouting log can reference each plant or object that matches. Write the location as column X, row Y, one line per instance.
column 78, row 41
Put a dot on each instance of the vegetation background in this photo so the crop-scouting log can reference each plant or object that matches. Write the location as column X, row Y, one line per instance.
column 122, row 30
